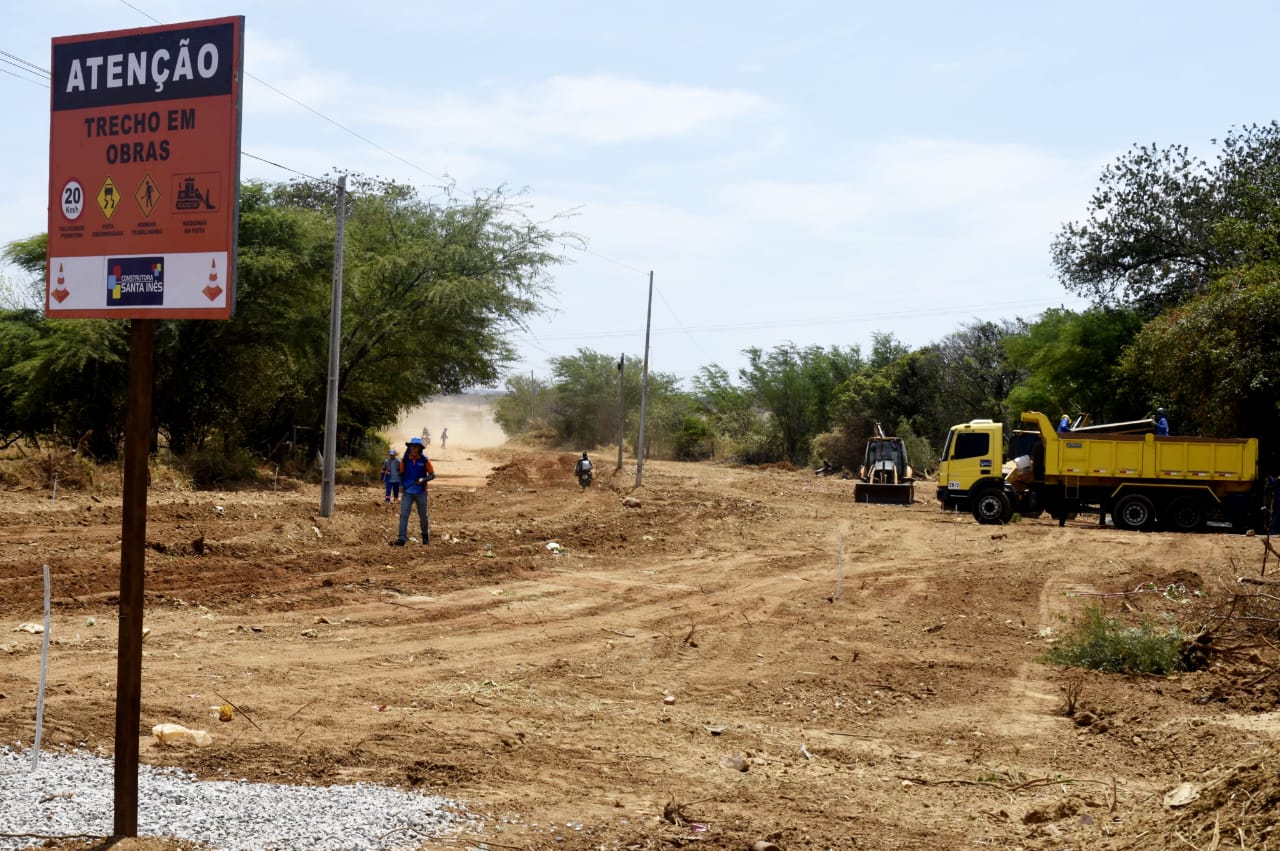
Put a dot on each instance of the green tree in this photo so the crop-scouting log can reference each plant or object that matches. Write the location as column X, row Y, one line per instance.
column 525, row 407
column 728, row 409
column 586, row 398
column 975, row 373
column 66, row 377
column 797, row 386
column 1214, row 361
column 1163, row 223
column 1071, row 364
column 900, row 390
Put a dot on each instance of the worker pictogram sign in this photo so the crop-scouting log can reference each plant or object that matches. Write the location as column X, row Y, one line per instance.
column 144, row 165
column 148, row 195
column 108, row 198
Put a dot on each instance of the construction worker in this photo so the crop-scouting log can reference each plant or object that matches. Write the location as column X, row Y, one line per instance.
column 415, row 472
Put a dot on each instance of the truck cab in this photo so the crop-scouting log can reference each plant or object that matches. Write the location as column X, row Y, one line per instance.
column 971, row 468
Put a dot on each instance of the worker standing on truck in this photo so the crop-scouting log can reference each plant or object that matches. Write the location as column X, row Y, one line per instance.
column 1162, row 424
column 1064, row 424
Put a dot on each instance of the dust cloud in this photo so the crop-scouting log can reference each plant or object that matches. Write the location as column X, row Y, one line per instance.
column 468, row 417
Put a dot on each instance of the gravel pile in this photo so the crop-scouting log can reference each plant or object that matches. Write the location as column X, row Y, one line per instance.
column 73, row 793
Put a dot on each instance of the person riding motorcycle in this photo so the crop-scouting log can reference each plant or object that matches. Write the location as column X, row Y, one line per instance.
column 583, row 470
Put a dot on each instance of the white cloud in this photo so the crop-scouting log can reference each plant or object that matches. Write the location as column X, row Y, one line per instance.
column 908, row 188
column 597, row 110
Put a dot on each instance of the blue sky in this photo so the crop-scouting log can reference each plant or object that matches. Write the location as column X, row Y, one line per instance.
column 808, row 172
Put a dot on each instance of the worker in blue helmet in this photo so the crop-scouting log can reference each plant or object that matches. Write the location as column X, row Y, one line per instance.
column 415, row 472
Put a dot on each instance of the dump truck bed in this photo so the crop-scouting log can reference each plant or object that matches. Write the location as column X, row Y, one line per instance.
column 1084, row 456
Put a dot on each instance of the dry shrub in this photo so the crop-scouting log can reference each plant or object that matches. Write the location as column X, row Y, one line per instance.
column 1240, row 802
column 166, row 477
column 356, row 471
column 838, row 447
column 41, row 469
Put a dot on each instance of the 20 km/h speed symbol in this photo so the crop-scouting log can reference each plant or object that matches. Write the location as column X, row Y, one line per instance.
column 72, row 200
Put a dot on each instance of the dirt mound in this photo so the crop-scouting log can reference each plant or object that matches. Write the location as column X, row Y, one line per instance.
column 537, row 469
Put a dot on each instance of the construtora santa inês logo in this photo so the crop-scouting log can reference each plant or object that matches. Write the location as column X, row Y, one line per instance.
column 135, row 281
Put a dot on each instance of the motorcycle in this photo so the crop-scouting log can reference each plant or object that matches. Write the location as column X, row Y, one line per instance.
column 584, row 478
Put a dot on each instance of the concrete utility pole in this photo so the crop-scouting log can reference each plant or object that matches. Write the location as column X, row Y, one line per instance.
column 622, row 405
column 335, row 355
column 644, row 385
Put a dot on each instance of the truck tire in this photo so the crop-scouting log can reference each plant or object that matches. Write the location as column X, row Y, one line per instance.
column 1185, row 514
column 1134, row 511
column 991, row 506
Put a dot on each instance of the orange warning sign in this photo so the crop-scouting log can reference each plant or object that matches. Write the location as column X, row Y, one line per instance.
column 144, row 172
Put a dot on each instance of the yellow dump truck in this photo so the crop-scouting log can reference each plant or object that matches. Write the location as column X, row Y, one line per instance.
column 1142, row 481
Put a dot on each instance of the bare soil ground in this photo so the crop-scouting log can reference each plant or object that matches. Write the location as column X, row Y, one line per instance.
column 698, row 667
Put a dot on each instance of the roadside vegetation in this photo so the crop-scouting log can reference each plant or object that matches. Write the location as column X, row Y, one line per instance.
column 1180, row 258
column 1103, row 643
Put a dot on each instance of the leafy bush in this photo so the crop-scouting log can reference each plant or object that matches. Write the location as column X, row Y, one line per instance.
column 1103, row 643
column 923, row 457
column 373, row 450
column 209, row 468
column 694, row 440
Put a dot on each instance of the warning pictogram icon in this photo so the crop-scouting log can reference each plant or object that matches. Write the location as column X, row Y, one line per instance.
column 147, row 196
column 212, row 291
column 108, row 198
column 60, row 291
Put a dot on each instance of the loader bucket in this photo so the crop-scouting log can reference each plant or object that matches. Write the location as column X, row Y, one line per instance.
column 885, row 493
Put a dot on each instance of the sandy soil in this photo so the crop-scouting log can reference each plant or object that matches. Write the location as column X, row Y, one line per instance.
column 733, row 656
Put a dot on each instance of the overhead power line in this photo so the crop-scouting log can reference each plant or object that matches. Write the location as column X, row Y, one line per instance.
column 34, row 82
column 23, row 70
column 19, row 62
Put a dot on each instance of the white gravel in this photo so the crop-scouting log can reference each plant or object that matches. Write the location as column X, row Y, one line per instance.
column 73, row 793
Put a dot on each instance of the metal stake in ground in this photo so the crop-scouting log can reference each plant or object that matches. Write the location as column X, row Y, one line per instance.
column 44, row 675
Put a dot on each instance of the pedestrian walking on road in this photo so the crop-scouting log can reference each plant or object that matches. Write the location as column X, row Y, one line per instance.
column 444, row 438
column 415, row 472
column 391, row 476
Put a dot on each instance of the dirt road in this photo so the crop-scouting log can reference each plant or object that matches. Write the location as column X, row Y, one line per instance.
column 723, row 657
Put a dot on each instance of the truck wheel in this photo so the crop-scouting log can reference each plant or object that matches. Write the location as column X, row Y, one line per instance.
column 1185, row 514
column 992, row 506
column 1135, row 512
